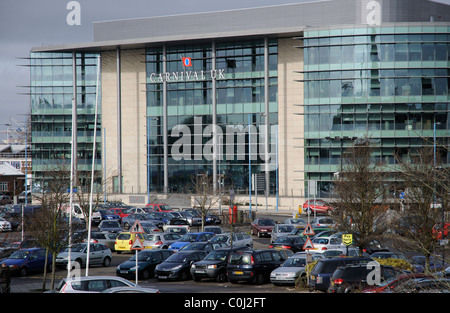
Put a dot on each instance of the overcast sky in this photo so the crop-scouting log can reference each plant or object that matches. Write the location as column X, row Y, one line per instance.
column 28, row 23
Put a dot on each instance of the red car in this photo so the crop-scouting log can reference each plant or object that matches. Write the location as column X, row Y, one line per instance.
column 392, row 283
column 437, row 231
column 319, row 206
column 262, row 226
column 159, row 207
column 122, row 212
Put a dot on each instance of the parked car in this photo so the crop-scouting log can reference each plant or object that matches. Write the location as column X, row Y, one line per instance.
column 353, row 278
column 179, row 230
column 187, row 216
column 147, row 260
column 317, row 206
column 295, row 221
column 214, row 265
column 125, row 240
column 91, row 284
column 418, row 263
column 439, row 232
column 325, row 243
column 280, row 230
column 122, row 212
column 374, row 246
column 203, row 246
column 104, row 238
column 98, row 254
column 141, row 210
column 293, row 243
column 324, row 268
column 422, row 285
column 159, row 207
column 137, row 289
column 214, row 229
column 190, row 237
column 6, row 249
column 347, row 251
column 144, row 220
column 389, row 255
column 178, row 265
column 112, row 226
column 235, row 241
column 160, row 240
column 5, row 225
column 291, row 269
column 392, row 283
column 323, row 222
column 107, row 215
column 253, row 265
column 164, row 217
column 262, row 226
column 25, row 195
column 24, row 261
column 177, row 222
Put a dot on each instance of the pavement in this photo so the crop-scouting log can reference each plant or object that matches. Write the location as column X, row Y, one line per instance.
column 34, row 287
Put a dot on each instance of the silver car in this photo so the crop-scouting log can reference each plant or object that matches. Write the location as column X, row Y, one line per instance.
column 280, row 230
column 99, row 254
column 291, row 269
column 91, row 284
column 237, row 240
column 160, row 241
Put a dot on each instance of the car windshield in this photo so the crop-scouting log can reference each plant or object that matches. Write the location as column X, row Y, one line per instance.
column 217, row 255
column 285, row 228
column 322, row 241
column 151, row 237
column 240, row 258
column 266, row 223
column 295, row 262
column 189, row 238
column 220, row 239
column 164, row 207
column 20, row 254
column 77, row 248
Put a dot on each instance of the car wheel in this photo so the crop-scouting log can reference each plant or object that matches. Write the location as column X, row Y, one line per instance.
column 23, row 271
column 145, row 274
column 107, row 262
column 195, row 278
column 259, row 279
column 184, row 275
column 221, row 277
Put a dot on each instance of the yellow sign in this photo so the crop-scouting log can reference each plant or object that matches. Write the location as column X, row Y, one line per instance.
column 347, row 239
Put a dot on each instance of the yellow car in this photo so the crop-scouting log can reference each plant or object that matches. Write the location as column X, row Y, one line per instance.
column 125, row 240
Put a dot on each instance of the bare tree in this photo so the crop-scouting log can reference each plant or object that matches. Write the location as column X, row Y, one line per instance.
column 359, row 191
column 49, row 225
column 203, row 197
column 424, row 182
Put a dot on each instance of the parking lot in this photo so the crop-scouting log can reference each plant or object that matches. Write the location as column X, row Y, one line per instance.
column 33, row 281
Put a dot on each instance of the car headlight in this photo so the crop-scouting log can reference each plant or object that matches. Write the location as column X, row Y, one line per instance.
column 212, row 266
column 176, row 267
column 193, row 266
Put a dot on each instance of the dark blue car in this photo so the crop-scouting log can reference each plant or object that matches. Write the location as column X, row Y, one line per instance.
column 23, row 261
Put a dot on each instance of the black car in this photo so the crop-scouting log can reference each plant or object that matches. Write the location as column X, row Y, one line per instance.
column 346, row 279
column 178, row 265
column 147, row 260
column 253, row 265
column 293, row 243
column 321, row 273
column 214, row 265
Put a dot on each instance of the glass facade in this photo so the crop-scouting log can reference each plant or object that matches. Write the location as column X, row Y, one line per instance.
column 239, row 93
column 51, row 112
column 389, row 83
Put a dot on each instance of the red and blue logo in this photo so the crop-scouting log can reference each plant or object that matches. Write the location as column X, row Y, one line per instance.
column 186, row 62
